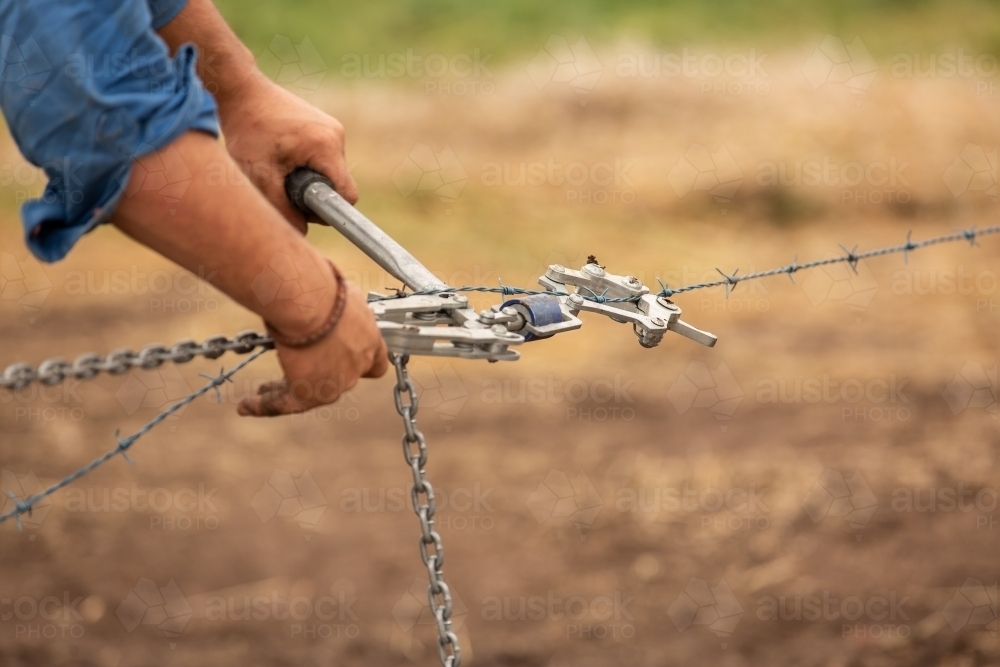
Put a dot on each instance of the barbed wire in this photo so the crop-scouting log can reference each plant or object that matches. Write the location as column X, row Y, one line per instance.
column 24, row 505
column 53, row 371
column 729, row 281
column 850, row 257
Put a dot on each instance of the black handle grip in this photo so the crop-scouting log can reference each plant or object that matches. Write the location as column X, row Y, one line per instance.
column 296, row 184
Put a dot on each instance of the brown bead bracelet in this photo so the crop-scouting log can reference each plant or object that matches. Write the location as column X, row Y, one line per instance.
column 339, row 302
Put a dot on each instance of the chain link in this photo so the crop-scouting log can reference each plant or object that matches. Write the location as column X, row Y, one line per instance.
column 57, row 370
column 431, row 549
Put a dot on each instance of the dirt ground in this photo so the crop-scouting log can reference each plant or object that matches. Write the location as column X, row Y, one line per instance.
column 818, row 489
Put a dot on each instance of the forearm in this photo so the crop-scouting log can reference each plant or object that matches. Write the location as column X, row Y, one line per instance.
column 269, row 131
column 225, row 65
column 228, row 229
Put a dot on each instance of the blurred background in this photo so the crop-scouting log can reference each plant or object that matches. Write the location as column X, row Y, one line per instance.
column 818, row 489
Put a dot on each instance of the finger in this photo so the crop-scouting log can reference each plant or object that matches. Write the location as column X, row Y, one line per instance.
column 335, row 169
column 381, row 362
column 272, row 400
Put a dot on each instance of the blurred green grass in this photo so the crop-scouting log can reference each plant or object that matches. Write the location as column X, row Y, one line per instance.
column 514, row 29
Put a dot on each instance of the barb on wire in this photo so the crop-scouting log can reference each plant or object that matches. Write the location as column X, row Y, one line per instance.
column 24, row 505
column 219, row 379
column 731, row 280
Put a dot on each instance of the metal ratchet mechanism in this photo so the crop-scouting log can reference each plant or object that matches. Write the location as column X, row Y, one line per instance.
column 442, row 324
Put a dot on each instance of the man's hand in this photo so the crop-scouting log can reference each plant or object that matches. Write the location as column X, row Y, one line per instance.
column 231, row 232
column 320, row 374
column 270, row 131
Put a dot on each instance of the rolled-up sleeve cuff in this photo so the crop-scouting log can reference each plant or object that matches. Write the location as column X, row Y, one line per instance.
column 164, row 11
column 78, row 198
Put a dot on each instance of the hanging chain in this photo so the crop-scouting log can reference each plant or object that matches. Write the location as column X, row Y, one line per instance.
column 438, row 593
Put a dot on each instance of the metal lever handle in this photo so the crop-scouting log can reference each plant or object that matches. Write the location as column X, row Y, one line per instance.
column 313, row 194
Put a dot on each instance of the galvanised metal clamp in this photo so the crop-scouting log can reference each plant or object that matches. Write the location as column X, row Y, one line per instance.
column 436, row 320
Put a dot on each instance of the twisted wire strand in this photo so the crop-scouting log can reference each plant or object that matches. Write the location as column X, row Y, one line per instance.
column 24, row 505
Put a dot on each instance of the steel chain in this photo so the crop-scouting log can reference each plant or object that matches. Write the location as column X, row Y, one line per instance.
column 56, row 370
column 438, row 593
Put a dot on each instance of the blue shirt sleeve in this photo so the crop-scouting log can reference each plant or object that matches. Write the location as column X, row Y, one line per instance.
column 87, row 87
column 163, row 11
